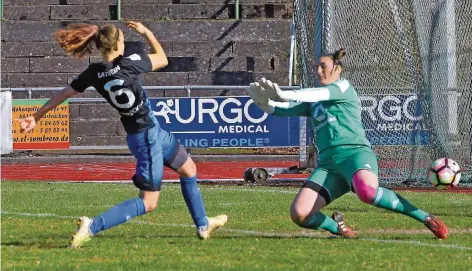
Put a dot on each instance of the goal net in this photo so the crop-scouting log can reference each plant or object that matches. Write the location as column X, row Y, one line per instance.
column 410, row 61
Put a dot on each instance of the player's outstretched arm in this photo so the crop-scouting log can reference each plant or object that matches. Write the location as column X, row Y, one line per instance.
column 29, row 123
column 158, row 57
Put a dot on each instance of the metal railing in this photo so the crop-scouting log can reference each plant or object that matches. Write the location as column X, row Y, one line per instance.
column 187, row 88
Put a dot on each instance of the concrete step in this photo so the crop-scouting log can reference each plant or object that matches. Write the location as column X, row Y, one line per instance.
column 280, row 48
column 134, row 2
column 59, row 12
column 83, row 12
column 64, row 2
column 183, row 31
column 23, row 80
column 177, row 2
column 26, row 13
column 205, row 11
column 31, row 49
column 145, row 12
column 176, row 64
column 180, row 11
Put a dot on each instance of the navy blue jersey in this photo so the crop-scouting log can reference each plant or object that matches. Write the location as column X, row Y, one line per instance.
column 119, row 83
column 133, row 47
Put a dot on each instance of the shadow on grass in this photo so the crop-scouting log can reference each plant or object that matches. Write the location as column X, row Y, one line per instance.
column 62, row 242
column 31, row 244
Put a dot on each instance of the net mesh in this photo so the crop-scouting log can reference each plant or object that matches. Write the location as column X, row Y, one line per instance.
column 410, row 62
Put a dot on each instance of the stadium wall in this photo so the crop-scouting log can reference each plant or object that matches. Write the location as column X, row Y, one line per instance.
column 205, row 46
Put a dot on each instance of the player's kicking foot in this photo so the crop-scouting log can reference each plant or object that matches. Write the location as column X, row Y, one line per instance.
column 436, row 226
column 342, row 229
column 213, row 224
column 82, row 234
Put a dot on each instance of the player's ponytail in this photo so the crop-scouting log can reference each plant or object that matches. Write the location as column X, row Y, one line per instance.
column 79, row 40
column 337, row 56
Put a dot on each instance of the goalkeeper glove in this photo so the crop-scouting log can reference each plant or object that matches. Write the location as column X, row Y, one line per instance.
column 258, row 95
column 273, row 91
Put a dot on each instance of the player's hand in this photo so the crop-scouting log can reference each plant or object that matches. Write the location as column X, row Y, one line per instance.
column 26, row 124
column 273, row 91
column 137, row 26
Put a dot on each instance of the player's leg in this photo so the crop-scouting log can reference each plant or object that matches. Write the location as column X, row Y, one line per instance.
column 318, row 191
column 363, row 167
column 149, row 171
column 176, row 158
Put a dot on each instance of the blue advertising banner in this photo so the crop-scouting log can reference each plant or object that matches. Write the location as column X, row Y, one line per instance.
column 394, row 120
column 223, row 122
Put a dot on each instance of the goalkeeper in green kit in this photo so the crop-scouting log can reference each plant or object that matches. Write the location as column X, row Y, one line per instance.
column 346, row 161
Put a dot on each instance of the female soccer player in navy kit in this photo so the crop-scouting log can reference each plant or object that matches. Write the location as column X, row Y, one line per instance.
column 346, row 161
column 117, row 80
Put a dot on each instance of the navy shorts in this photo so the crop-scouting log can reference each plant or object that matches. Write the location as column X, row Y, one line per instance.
column 153, row 149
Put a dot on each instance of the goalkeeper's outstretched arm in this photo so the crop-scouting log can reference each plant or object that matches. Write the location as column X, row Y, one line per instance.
column 290, row 109
column 259, row 96
column 307, row 95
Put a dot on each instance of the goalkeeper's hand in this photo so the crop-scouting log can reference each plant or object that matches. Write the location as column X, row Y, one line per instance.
column 258, row 95
column 273, row 91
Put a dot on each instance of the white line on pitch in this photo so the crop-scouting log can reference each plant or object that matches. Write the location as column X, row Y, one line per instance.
column 262, row 234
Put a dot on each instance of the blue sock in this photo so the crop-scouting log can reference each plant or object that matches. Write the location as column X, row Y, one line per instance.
column 194, row 201
column 118, row 214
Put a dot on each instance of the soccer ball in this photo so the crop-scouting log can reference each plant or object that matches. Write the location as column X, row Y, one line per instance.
column 444, row 173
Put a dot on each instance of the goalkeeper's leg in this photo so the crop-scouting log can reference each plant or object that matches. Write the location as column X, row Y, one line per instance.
column 362, row 165
column 321, row 188
column 367, row 188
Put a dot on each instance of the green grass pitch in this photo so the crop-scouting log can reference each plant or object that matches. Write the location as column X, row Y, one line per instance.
column 39, row 217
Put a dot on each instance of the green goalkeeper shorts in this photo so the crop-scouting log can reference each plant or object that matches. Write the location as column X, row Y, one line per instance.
column 336, row 166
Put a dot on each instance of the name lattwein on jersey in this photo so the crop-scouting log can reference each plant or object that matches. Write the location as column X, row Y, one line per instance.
column 109, row 72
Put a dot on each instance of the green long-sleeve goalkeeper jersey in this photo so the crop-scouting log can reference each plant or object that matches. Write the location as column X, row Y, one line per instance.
column 335, row 112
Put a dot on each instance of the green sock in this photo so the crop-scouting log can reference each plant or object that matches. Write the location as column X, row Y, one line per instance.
column 390, row 200
column 321, row 221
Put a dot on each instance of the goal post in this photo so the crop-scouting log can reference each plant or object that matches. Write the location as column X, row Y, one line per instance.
column 410, row 63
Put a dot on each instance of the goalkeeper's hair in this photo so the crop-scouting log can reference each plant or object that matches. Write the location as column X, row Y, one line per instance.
column 337, row 56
